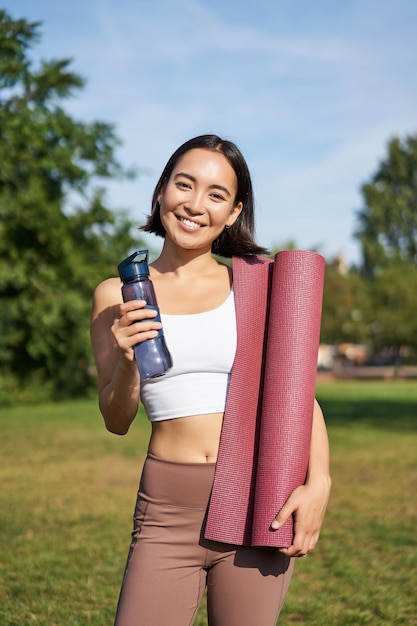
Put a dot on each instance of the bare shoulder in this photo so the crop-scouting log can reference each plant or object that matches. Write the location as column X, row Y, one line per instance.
column 107, row 294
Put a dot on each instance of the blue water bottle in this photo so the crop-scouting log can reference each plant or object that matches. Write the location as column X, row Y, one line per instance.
column 152, row 356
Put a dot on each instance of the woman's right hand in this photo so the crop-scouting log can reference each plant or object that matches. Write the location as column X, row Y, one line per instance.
column 115, row 328
column 134, row 324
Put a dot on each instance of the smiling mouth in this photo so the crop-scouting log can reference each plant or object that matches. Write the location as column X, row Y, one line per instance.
column 189, row 223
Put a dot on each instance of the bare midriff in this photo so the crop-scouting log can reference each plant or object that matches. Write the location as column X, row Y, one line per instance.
column 191, row 439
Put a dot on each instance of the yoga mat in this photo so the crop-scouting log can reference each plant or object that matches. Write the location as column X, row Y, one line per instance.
column 236, row 462
column 265, row 440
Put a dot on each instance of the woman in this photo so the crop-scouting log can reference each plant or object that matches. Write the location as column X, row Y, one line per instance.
column 202, row 204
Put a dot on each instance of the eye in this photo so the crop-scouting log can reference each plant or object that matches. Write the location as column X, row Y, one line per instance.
column 181, row 184
column 218, row 197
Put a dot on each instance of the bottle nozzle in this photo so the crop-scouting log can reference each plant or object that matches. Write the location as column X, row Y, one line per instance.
column 130, row 268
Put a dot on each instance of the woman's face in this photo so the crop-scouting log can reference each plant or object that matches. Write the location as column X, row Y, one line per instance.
column 198, row 201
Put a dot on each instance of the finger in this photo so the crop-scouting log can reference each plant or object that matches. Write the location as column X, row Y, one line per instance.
column 141, row 331
column 303, row 543
column 137, row 315
column 130, row 305
column 293, row 551
column 313, row 542
column 131, row 318
column 297, row 549
column 144, row 327
column 129, row 334
column 281, row 517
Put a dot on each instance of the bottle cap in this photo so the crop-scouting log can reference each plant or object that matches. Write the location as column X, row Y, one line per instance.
column 129, row 268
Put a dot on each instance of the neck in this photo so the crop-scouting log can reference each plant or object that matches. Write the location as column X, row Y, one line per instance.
column 181, row 261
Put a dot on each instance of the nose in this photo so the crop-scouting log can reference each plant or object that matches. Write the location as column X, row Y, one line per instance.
column 195, row 202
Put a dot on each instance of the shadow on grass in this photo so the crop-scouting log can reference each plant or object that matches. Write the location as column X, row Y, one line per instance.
column 387, row 414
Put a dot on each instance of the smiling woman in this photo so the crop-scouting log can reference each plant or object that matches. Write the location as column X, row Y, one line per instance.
column 199, row 199
column 202, row 205
column 236, row 241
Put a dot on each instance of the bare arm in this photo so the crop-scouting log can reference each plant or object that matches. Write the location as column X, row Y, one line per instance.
column 114, row 332
column 308, row 503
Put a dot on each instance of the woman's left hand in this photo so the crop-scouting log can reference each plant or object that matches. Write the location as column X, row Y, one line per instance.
column 308, row 505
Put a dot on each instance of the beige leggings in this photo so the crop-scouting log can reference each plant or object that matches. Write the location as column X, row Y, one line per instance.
column 170, row 563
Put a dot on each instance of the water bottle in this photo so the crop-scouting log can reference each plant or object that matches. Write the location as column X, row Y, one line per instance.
column 152, row 356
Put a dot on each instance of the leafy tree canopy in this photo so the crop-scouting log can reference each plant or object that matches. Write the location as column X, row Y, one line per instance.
column 393, row 321
column 388, row 233
column 58, row 238
column 387, row 226
column 345, row 306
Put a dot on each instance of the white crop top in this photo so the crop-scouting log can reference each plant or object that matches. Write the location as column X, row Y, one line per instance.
column 202, row 346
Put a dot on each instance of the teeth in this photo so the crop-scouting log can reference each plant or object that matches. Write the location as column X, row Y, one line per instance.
column 189, row 223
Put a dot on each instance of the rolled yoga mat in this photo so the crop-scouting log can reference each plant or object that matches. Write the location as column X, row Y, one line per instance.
column 265, row 441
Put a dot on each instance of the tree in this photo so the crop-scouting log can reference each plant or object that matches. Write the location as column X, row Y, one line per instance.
column 387, row 226
column 57, row 237
column 388, row 233
column 393, row 322
column 345, row 306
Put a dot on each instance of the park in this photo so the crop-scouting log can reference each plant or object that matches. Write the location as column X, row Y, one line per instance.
column 69, row 486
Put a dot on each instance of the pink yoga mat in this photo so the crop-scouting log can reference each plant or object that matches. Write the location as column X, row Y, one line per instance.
column 265, row 441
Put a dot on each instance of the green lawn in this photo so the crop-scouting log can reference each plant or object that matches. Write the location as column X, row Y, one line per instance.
column 68, row 489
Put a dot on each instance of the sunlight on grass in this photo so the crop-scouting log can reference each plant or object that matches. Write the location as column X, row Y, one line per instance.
column 69, row 487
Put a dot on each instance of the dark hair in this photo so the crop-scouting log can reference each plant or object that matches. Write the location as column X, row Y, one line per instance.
column 237, row 240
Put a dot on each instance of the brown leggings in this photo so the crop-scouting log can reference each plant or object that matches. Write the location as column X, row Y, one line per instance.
column 170, row 563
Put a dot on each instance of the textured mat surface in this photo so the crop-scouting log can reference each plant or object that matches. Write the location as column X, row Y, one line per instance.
column 266, row 433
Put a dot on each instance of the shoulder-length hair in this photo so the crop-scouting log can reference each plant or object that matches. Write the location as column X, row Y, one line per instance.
column 239, row 239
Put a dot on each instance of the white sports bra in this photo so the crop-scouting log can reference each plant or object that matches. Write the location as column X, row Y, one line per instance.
column 202, row 346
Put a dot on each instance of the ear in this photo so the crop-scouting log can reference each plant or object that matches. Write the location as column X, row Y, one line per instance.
column 161, row 192
column 234, row 214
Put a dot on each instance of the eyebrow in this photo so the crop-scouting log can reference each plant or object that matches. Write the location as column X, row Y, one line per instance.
column 193, row 179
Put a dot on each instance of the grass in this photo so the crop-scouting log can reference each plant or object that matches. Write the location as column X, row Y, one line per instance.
column 364, row 568
column 68, row 491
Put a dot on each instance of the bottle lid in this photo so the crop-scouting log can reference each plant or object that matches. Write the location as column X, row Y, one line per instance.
column 129, row 268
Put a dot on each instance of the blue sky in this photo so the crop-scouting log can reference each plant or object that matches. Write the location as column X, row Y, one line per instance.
column 310, row 91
